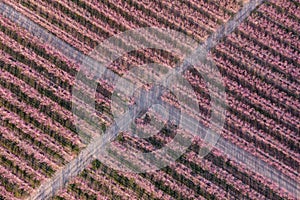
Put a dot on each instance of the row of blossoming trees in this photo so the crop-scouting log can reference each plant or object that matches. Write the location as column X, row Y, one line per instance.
column 259, row 62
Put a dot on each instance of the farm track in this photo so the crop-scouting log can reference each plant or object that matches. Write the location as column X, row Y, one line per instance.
column 53, row 67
